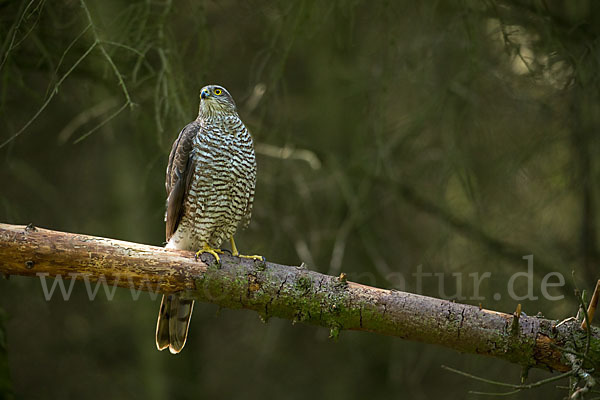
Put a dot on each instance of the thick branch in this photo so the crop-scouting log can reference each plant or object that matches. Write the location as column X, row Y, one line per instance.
column 297, row 294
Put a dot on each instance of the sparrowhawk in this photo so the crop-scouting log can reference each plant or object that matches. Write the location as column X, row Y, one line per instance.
column 211, row 176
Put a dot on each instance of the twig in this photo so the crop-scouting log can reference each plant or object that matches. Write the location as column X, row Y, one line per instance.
column 101, row 124
column 515, row 321
column 110, row 61
column 124, row 46
column 64, row 54
column 495, row 393
column 581, row 375
column 85, row 116
column 50, row 97
column 586, row 319
column 288, row 152
column 511, row 385
column 592, row 306
column 39, row 6
column 14, row 29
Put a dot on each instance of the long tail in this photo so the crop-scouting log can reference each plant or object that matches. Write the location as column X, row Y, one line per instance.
column 173, row 323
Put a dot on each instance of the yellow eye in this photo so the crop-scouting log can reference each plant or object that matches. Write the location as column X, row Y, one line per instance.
column 218, row 92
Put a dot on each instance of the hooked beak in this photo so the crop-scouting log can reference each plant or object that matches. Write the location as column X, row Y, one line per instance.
column 204, row 93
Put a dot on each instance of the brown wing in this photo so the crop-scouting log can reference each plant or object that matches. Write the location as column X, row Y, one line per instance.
column 179, row 173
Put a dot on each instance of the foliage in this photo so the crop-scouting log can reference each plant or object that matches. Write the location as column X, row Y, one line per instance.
column 451, row 136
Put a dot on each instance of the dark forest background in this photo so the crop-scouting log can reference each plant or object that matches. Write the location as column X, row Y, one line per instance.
column 451, row 137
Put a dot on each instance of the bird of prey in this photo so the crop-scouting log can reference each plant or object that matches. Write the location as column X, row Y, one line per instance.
column 210, row 184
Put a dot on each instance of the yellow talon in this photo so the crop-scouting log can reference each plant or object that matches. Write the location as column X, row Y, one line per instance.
column 207, row 249
column 236, row 253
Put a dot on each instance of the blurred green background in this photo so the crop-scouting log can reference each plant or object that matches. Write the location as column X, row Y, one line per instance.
column 454, row 137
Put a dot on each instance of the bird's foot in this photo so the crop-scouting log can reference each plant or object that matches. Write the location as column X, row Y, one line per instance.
column 253, row 257
column 236, row 253
column 207, row 249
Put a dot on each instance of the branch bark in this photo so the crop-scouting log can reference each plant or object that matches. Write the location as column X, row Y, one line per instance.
column 297, row 294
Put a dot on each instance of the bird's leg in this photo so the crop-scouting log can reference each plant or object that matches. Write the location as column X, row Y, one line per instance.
column 234, row 250
column 236, row 253
column 207, row 249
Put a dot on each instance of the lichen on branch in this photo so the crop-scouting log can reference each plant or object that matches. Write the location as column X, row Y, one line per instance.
column 301, row 295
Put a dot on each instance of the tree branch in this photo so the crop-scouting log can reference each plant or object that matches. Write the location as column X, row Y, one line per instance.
column 297, row 294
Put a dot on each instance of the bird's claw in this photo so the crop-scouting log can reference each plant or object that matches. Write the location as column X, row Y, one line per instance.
column 215, row 253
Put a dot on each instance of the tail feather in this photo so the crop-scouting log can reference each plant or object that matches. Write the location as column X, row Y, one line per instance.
column 173, row 323
column 162, row 325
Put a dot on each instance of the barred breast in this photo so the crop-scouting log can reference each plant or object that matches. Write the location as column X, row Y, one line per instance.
column 221, row 191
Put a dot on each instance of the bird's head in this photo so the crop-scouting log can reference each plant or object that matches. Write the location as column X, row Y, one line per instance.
column 216, row 100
